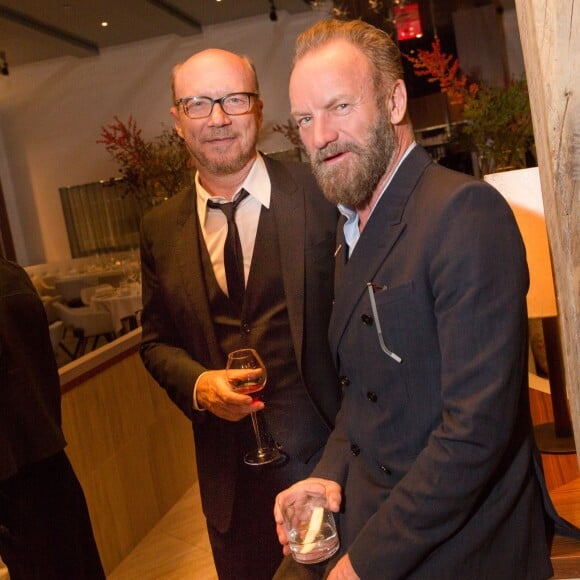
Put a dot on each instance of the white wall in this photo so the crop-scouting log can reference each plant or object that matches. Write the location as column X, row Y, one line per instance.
column 51, row 114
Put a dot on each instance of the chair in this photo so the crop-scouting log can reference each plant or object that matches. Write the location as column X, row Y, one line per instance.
column 70, row 289
column 90, row 291
column 48, row 303
column 129, row 323
column 56, row 331
column 86, row 323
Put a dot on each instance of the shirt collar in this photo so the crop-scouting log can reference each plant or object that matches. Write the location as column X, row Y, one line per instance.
column 350, row 228
column 257, row 184
column 350, row 213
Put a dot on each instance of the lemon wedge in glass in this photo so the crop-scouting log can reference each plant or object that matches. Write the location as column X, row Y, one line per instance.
column 313, row 528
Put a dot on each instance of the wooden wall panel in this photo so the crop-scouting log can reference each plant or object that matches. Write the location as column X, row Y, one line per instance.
column 132, row 450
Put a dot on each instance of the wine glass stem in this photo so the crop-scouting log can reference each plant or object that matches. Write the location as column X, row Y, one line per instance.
column 257, row 431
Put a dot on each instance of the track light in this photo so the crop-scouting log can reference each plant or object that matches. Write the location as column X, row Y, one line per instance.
column 273, row 13
column 3, row 64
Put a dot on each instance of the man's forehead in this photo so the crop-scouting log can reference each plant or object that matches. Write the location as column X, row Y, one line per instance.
column 330, row 65
column 337, row 57
column 204, row 78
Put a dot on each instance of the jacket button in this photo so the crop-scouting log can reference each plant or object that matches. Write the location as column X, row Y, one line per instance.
column 368, row 320
column 385, row 469
column 245, row 329
column 344, row 382
column 372, row 397
column 355, row 449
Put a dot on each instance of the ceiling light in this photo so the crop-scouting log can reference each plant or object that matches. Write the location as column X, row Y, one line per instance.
column 104, row 24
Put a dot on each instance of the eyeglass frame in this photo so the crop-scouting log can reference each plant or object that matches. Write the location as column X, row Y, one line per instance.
column 182, row 102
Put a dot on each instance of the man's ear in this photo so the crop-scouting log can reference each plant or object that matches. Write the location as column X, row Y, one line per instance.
column 260, row 113
column 176, row 124
column 397, row 104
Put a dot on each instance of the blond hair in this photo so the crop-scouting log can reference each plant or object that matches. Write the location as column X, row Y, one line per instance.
column 380, row 50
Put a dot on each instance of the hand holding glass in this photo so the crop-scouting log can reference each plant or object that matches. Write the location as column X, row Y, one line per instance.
column 247, row 375
column 310, row 526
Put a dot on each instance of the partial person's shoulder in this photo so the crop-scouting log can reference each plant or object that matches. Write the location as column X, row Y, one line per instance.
column 285, row 173
column 297, row 169
column 14, row 279
column 446, row 192
column 453, row 182
column 171, row 207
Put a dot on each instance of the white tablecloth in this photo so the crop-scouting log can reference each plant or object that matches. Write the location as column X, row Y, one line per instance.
column 120, row 303
column 69, row 285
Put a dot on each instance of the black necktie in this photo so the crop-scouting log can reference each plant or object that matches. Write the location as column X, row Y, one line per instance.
column 233, row 257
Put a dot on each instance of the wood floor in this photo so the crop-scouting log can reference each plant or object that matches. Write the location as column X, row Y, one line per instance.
column 176, row 549
column 559, row 469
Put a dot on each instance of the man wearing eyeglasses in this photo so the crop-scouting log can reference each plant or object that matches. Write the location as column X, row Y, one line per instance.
column 195, row 311
column 432, row 463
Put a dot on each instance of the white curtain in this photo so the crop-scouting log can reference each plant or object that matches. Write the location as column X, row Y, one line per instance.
column 100, row 217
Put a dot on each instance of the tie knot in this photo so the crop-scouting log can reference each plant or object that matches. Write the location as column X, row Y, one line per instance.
column 229, row 208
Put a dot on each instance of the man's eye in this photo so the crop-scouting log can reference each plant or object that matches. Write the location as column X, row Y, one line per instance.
column 342, row 108
column 303, row 121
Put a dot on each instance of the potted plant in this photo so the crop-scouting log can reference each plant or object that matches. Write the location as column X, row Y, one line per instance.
column 151, row 170
column 496, row 121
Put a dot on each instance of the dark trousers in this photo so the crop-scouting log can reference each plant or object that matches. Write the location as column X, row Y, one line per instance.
column 45, row 530
column 291, row 570
column 250, row 550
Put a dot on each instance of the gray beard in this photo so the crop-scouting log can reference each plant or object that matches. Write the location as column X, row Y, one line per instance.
column 354, row 183
column 223, row 166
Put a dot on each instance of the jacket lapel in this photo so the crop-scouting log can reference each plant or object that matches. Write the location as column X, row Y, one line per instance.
column 287, row 203
column 188, row 257
column 381, row 233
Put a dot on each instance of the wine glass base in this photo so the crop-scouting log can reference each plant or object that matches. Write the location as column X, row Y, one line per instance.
column 263, row 456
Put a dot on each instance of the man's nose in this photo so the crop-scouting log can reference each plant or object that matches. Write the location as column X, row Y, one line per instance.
column 323, row 133
column 217, row 117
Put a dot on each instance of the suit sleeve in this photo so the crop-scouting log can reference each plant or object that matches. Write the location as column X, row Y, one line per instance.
column 167, row 361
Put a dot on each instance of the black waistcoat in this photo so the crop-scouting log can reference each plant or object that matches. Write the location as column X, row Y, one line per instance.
column 290, row 417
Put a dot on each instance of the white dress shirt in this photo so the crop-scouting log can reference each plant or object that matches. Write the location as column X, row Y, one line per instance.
column 214, row 225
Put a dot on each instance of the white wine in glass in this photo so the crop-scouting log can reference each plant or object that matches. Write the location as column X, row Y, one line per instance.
column 247, row 375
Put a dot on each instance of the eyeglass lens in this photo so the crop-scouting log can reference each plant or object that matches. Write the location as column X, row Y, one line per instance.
column 233, row 104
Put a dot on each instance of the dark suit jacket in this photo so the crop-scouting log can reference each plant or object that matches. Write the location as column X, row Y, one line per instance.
column 179, row 340
column 435, row 452
column 30, row 419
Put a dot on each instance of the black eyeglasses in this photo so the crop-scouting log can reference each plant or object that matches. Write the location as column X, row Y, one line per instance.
column 231, row 104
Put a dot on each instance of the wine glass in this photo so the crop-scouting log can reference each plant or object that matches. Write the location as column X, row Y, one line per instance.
column 247, row 375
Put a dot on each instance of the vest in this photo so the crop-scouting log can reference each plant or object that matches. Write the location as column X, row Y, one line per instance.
column 264, row 325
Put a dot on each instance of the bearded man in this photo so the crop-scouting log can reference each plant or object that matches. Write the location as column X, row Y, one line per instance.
column 432, row 462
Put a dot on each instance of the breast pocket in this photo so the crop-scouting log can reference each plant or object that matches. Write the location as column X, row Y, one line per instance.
column 383, row 302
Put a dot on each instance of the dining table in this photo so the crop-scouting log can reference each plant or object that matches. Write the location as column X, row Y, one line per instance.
column 121, row 302
column 70, row 284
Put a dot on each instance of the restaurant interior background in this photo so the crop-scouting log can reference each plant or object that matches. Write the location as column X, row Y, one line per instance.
column 59, row 92
column 63, row 76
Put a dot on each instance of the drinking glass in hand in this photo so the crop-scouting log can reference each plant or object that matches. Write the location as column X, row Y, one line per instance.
column 310, row 526
column 247, row 375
